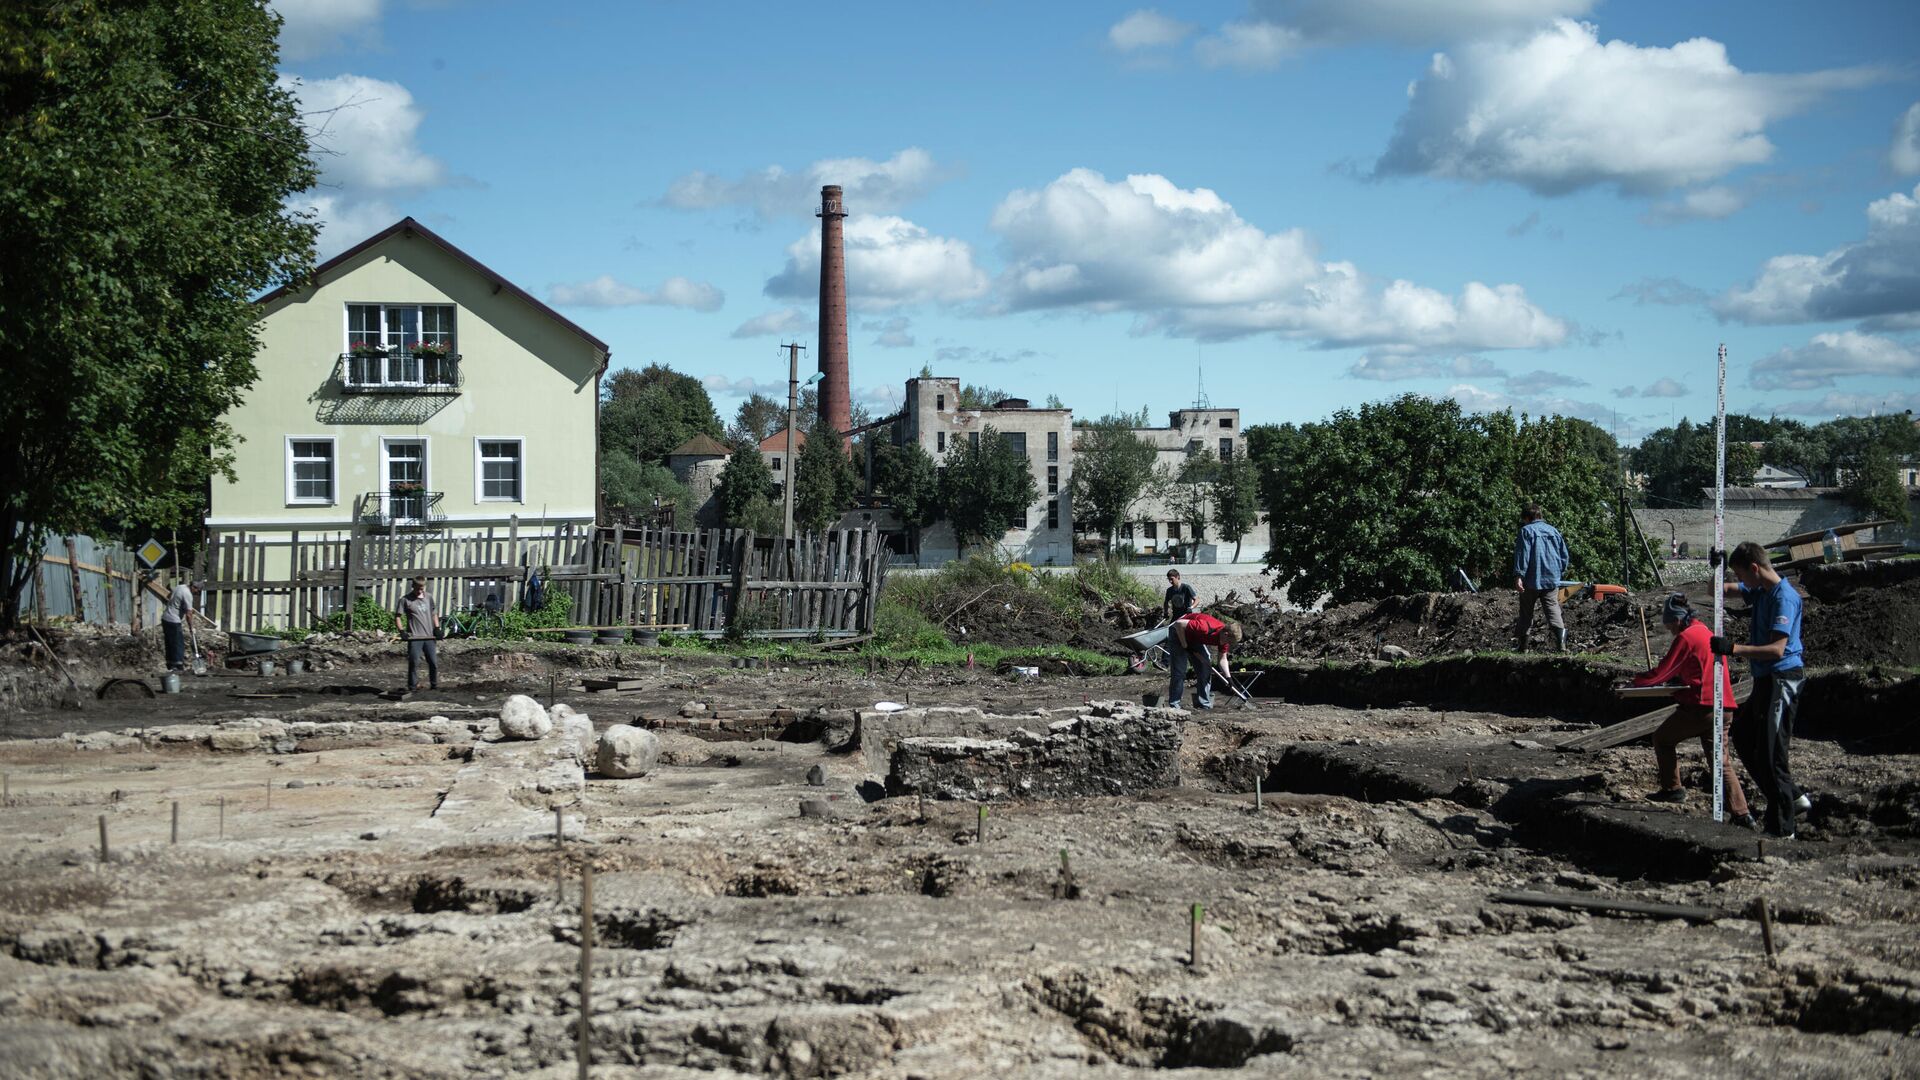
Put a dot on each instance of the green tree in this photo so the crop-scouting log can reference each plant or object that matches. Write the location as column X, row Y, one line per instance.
column 648, row 412
column 910, row 480
column 1236, row 497
column 758, row 417
column 1191, row 492
column 980, row 397
column 824, row 481
column 1111, row 467
column 1873, row 485
column 632, row 486
column 1678, row 461
column 985, row 487
column 744, row 495
column 1391, row 499
column 146, row 157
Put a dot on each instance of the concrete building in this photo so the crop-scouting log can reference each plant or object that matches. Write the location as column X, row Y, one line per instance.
column 1156, row 528
column 934, row 419
column 774, row 449
column 407, row 388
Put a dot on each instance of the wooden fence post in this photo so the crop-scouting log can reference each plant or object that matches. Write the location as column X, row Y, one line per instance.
column 742, row 551
column 73, row 575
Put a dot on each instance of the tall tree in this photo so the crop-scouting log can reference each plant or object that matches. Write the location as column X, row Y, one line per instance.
column 985, row 487
column 824, row 481
column 1873, row 485
column 1236, row 497
column 980, row 397
column 146, row 156
column 647, row 412
column 910, row 480
column 1111, row 468
column 744, row 495
column 758, row 417
column 1192, row 492
column 632, row 486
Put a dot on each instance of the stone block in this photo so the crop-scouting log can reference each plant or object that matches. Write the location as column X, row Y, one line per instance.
column 234, row 740
column 521, row 717
column 626, row 752
column 1086, row 756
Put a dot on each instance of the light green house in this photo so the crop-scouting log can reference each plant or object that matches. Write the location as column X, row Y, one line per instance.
column 407, row 388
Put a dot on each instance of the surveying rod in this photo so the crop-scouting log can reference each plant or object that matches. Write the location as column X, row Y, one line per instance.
column 1719, row 590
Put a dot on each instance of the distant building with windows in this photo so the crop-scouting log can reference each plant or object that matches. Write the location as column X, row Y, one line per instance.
column 933, row 418
column 406, row 388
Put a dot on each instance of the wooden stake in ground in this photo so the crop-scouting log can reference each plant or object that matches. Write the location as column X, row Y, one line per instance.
column 1646, row 643
column 980, row 826
column 106, row 855
column 1766, row 931
column 559, row 828
column 176, row 821
column 1259, row 797
column 1193, row 947
column 586, row 968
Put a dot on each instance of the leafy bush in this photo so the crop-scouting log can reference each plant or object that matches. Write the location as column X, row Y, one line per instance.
column 516, row 621
column 368, row 614
column 753, row 618
column 898, row 626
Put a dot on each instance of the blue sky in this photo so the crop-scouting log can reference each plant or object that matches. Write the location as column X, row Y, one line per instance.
column 1550, row 205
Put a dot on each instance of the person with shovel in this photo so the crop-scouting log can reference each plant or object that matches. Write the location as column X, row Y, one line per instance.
column 1191, row 637
column 174, row 622
column 419, row 625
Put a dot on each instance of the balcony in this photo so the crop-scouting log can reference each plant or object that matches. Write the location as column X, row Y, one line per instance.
column 400, row 509
column 396, row 372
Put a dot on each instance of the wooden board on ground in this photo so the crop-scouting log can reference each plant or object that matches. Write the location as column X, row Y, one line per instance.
column 595, row 686
column 1630, row 692
column 1640, row 726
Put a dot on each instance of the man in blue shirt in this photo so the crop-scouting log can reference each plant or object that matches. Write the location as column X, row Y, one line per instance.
column 1539, row 560
column 1764, row 725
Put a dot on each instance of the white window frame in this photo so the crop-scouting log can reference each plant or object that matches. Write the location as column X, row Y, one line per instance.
column 333, row 471
column 386, row 470
column 417, row 365
column 479, row 470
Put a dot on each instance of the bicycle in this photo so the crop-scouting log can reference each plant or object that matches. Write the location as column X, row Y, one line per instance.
column 481, row 621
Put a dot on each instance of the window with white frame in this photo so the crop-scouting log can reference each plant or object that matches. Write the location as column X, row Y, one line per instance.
column 400, row 344
column 310, row 471
column 501, row 470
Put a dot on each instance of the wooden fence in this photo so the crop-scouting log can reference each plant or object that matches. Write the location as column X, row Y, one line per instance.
column 694, row 582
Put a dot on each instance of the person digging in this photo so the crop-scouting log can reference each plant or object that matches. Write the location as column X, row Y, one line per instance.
column 1689, row 666
column 420, row 625
column 1191, row 638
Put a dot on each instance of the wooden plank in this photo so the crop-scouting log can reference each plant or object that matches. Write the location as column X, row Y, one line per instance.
column 73, row 580
column 1610, row 906
column 1640, row 726
column 1838, row 530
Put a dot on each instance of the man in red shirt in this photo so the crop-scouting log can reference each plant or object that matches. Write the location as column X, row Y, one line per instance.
column 1689, row 664
column 1194, row 635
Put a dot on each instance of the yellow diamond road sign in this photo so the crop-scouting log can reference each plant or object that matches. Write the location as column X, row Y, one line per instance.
column 152, row 552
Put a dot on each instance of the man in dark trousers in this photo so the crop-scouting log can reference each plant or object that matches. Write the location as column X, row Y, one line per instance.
column 1539, row 561
column 419, row 625
column 1179, row 599
column 1192, row 638
column 1763, row 727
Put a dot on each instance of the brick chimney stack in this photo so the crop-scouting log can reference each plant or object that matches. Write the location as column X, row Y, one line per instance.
column 835, row 392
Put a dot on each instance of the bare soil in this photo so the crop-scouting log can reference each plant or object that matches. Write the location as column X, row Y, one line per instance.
column 1348, row 926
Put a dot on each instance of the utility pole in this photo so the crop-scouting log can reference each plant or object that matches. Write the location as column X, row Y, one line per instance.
column 793, row 408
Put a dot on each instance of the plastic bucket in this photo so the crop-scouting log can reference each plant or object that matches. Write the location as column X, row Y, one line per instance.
column 266, row 668
column 170, row 683
column 296, row 667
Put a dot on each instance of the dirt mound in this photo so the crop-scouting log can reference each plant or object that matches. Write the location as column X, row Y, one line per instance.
column 1864, row 627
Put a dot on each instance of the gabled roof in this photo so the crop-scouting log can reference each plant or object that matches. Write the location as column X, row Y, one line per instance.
column 701, row 445
column 776, row 443
column 409, row 227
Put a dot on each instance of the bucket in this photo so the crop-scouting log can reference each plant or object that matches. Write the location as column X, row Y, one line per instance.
column 646, row 637
column 296, row 667
column 266, row 668
column 170, row 683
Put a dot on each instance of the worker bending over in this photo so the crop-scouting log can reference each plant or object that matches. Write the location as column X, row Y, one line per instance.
column 1689, row 665
column 1193, row 637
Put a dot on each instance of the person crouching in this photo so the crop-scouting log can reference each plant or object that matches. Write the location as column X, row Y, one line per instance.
column 1192, row 637
column 1689, row 664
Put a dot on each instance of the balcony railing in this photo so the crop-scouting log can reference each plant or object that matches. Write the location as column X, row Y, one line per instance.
column 402, row 508
column 399, row 372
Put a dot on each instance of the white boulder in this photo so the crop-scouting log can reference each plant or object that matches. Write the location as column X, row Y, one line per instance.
column 523, row 718
column 626, row 752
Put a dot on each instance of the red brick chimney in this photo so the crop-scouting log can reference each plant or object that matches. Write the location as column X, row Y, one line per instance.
column 835, row 393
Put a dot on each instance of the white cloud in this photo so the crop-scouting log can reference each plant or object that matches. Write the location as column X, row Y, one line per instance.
column 1712, row 203
column 1276, row 29
column 786, row 322
column 1668, row 291
column 722, row 386
column 1904, row 155
column 1251, row 45
column 1188, row 265
column 967, row 354
column 1876, row 279
column 868, row 186
column 1831, row 356
column 1838, row 404
column 1535, row 383
column 366, row 136
column 1476, row 398
column 606, row 292
column 312, row 27
column 1385, row 366
column 1661, row 388
column 1147, row 29
column 1561, row 111
column 894, row 333
column 891, row 262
